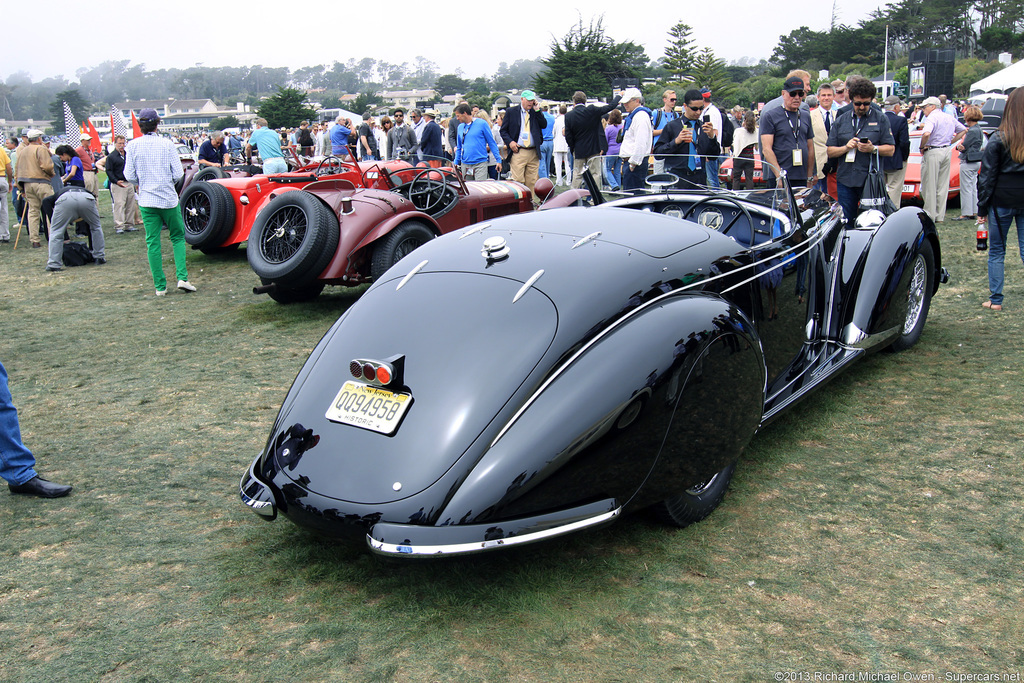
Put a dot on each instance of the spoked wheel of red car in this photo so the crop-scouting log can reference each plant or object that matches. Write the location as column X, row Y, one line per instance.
column 919, row 297
column 394, row 246
column 209, row 214
column 293, row 239
column 427, row 189
column 696, row 502
column 331, row 165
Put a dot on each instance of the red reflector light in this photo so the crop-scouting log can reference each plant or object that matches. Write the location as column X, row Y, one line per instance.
column 368, row 371
column 356, row 369
column 383, row 375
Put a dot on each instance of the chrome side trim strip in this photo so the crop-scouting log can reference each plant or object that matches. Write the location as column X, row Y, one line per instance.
column 528, row 284
column 412, row 272
column 475, row 229
column 403, row 550
column 589, row 238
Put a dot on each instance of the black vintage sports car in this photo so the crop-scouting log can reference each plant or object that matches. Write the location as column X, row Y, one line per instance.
column 541, row 373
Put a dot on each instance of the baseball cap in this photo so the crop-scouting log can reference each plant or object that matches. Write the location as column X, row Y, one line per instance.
column 705, row 92
column 631, row 94
column 529, row 95
column 33, row 133
column 793, row 83
column 148, row 115
column 85, row 136
column 934, row 101
column 893, row 99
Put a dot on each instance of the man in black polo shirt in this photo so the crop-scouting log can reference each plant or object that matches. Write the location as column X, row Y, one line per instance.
column 787, row 138
column 853, row 141
column 212, row 152
column 690, row 140
column 122, row 193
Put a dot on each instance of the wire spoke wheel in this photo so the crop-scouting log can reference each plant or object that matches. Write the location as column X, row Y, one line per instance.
column 196, row 213
column 916, row 294
column 284, row 234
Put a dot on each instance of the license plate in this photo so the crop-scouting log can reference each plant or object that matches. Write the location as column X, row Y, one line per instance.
column 372, row 408
column 908, row 189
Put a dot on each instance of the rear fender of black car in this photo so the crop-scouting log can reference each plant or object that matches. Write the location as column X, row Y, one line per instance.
column 630, row 400
column 874, row 275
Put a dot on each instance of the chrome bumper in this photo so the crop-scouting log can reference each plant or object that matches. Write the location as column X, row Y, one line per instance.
column 256, row 494
column 407, row 540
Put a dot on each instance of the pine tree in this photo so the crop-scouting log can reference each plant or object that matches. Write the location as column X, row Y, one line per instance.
column 679, row 54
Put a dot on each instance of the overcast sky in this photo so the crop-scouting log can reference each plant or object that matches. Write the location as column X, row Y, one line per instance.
column 470, row 36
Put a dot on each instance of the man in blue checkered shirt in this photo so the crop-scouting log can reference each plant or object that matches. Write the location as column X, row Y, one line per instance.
column 153, row 163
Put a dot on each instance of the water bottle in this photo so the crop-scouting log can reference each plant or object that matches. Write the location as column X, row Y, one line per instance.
column 982, row 236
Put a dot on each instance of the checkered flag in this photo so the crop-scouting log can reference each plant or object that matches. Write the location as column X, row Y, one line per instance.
column 118, row 125
column 70, row 125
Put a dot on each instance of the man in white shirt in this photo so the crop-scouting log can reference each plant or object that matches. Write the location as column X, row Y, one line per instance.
column 636, row 141
column 822, row 118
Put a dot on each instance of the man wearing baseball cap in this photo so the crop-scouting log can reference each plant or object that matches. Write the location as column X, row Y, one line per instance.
column 637, row 139
column 88, row 166
column 941, row 132
column 153, row 163
column 522, row 130
column 35, row 170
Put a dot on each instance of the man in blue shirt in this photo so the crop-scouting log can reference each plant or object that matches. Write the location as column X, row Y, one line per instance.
column 211, row 152
column 269, row 145
column 547, row 147
column 340, row 134
column 474, row 137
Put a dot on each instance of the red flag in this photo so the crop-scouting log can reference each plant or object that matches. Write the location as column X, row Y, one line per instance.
column 136, row 131
column 94, row 144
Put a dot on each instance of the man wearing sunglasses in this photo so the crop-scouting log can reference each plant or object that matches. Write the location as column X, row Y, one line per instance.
column 689, row 141
column 853, row 141
column 787, row 138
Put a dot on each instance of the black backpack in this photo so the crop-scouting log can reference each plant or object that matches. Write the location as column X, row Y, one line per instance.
column 77, row 254
column 727, row 130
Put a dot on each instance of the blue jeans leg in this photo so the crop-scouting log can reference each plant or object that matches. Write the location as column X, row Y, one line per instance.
column 711, row 168
column 999, row 222
column 849, row 197
column 16, row 461
column 613, row 171
column 546, row 150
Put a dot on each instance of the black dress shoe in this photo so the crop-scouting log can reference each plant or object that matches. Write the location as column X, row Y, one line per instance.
column 37, row 486
column 100, row 261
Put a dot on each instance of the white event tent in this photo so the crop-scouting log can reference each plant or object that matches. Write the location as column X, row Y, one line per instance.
column 1001, row 81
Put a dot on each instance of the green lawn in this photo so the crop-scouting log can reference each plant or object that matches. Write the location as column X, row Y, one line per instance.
column 876, row 528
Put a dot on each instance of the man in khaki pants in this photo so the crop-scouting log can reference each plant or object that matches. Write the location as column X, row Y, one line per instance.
column 35, row 169
column 122, row 193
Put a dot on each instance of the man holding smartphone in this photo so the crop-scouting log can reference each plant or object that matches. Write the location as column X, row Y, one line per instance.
column 689, row 138
column 854, row 139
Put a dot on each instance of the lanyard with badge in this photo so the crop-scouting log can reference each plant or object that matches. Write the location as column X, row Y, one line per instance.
column 798, row 157
column 851, row 156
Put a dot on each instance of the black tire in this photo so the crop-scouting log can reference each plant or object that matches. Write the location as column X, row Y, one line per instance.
column 293, row 239
column 208, row 211
column 391, row 248
column 919, row 297
column 306, row 292
column 209, row 173
column 697, row 502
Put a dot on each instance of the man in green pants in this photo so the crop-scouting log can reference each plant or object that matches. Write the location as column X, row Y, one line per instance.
column 153, row 163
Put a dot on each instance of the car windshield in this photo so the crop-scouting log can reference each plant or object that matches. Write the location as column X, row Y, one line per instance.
column 681, row 173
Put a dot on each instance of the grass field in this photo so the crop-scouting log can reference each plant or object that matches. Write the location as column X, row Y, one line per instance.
column 876, row 528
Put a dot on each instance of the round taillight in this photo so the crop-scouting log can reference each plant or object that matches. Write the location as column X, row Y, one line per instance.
column 356, row 369
column 368, row 371
column 383, row 375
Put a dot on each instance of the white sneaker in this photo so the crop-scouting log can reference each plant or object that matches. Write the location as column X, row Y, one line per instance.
column 161, row 292
column 186, row 285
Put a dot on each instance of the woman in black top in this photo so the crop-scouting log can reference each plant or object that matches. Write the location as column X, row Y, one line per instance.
column 1001, row 192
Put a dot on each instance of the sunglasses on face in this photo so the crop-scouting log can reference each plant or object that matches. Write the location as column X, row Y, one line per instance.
column 671, row 99
column 840, row 92
column 701, row 108
column 797, row 93
column 862, row 104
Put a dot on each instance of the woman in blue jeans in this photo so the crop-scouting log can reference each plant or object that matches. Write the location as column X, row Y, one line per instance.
column 1001, row 192
column 613, row 162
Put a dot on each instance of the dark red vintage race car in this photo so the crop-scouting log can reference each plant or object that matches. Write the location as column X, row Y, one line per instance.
column 219, row 211
column 332, row 232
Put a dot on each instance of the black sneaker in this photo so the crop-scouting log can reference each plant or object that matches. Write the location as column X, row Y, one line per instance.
column 100, row 261
column 51, row 269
